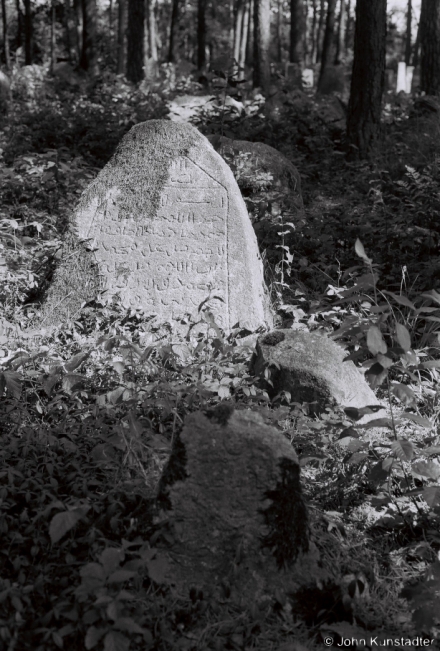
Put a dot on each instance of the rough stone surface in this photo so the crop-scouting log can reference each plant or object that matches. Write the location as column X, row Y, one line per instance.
column 164, row 224
column 250, row 159
column 231, row 500
column 310, row 366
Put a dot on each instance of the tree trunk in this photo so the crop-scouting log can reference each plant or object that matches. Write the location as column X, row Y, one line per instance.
column 368, row 78
column 88, row 51
column 110, row 16
column 261, row 45
column 340, row 49
column 328, row 44
column 348, row 28
column 6, row 35
column 244, row 39
column 238, row 26
column 174, row 27
column 313, row 32
column 408, row 33
column 250, row 35
column 135, row 40
column 52, row 37
column 279, row 32
column 19, row 24
column 201, row 34
column 66, row 17
column 27, row 33
column 416, row 50
column 77, row 8
column 430, row 47
column 320, row 36
column 152, row 29
column 297, row 27
column 122, row 41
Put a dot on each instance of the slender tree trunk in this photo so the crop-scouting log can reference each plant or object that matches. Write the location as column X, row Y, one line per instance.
column 6, row 35
column 416, row 50
column 20, row 22
column 262, row 44
column 340, row 49
column 279, row 33
column 152, row 29
column 135, row 40
column 77, row 7
column 27, row 33
column 244, row 39
column 110, row 16
column 368, row 78
column 430, row 47
column 348, row 28
column 88, row 59
column 297, row 27
column 250, row 35
column 321, row 26
column 52, row 37
column 328, row 45
column 201, row 33
column 174, row 27
column 408, row 33
column 313, row 32
column 66, row 17
column 238, row 25
column 122, row 41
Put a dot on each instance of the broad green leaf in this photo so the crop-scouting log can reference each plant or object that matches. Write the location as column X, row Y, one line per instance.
column 120, row 576
column 92, row 571
column 404, row 394
column 111, row 559
column 360, row 251
column 378, row 422
column 115, row 396
column 12, row 381
column 119, row 367
column 375, row 375
column 403, row 449
column 76, row 361
column 434, row 363
column 93, row 636
column 375, row 341
column 384, row 360
column 114, row 641
column 428, row 469
column 403, row 337
column 136, row 428
column 423, row 422
column 61, row 523
column 224, row 391
column 431, row 495
column 128, row 624
column 72, row 381
column 401, row 299
column 158, row 568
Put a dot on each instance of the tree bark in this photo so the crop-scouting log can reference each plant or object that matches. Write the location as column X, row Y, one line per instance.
column 28, row 33
column 297, row 27
column 313, row 32
column 6, row 35
column 135, row 40
column 408, row 40
column 88, row 59
column 66, row 20
column 416, row 49
column 122, row 41
column 238, row 26
column 348, row 28
column 152, row 28
column 250, row 35
column 328, row 44
column 261, row 45
column 244, row 39
column 52, row 37
column 19, row 24
column 201, row 34
column 174, row 27
column 77, row 8
column 320, row 36
column 340, row 49
column 368, row 78
column 430, row 47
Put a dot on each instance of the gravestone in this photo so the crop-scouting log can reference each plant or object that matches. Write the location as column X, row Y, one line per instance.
column 231, row 507
column 5, row 90
column 401, row 78
column 164, row 226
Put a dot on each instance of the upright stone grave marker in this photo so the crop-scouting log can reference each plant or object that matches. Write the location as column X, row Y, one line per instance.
column 167, row 226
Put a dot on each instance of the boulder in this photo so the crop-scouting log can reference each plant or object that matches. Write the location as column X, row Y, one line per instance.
column 231, row 507
column 310, row 367
column 165, row 228
column 262, row 172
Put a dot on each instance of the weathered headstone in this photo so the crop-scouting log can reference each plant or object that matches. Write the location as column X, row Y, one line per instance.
column 231, row 503
column 310, row 367
column 401, row 77
column 166, row 227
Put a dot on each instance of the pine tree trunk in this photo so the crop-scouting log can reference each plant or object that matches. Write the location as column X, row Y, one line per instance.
column 238, row 26
column 368, row 78
column 244, row 39
column 297, row 27
column 328, row 44
column 77, row 7
column 135, row 40
column 340, row 50
column 174, row 27
column 152, row 28
column 6, row 35
column 27, row 32
column 416, row 50
column 66, row 17
column 321, row 26
column 122, row 41
column 348, row 28
column 20, row 22
column 430, row 47
column 313, row 32
column 201, row 34
column 88, row 51
column 408, row 40
column 52, row 37
column 250, row 36
column 262, row 44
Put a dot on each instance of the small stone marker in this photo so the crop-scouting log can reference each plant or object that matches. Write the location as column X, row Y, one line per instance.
column 310, row 367
column 231, row 502
column 167, row 226
column 401, row 77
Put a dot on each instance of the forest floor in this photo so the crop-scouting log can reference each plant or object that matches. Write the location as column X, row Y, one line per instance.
column 89, row 412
